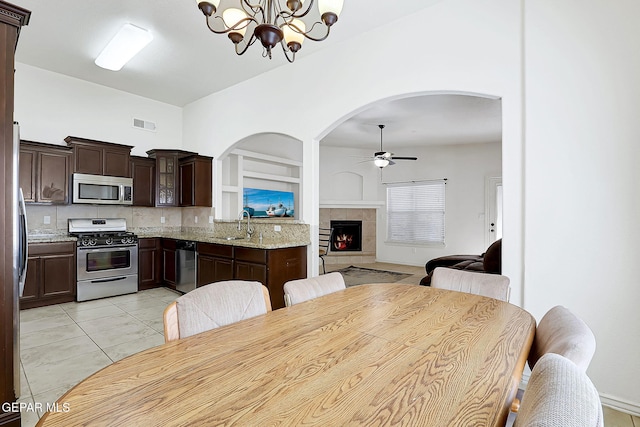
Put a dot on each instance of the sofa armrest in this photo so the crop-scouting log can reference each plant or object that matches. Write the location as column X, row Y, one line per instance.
column 449, row 261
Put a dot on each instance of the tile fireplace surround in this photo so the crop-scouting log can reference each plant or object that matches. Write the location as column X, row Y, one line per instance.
column 368, row 218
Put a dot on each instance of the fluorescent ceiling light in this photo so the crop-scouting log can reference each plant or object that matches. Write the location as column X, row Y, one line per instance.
column 123, row 46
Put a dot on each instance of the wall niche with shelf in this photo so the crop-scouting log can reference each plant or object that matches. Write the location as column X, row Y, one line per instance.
column 266, row 161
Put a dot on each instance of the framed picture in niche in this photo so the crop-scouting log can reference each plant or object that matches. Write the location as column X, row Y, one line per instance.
column 262, row 203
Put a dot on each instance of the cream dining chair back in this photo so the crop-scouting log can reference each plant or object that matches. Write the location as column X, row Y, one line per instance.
column 562, row 332
column 559, row 393
column 297, row 291
column 487, row 285
column 214, row 305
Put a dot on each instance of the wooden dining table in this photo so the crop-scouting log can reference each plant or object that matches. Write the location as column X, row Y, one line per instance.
column 369, row 355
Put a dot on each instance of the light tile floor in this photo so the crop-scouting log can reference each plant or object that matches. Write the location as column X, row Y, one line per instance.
column 65, row 343
column 60, row 345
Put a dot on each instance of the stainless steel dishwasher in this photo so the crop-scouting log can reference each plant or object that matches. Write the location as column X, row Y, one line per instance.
column 186, row 266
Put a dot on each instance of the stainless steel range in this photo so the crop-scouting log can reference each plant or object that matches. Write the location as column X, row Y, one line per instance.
column 107, row 257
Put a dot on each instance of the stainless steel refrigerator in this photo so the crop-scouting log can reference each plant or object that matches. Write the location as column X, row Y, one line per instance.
column 20, row 249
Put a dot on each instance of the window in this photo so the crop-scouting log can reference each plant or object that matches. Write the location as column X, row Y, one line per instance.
column 415, row 212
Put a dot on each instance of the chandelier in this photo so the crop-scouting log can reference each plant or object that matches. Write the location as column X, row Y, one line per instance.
column 271, row 23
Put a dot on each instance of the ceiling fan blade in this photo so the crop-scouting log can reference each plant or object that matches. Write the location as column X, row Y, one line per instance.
column 403, row 158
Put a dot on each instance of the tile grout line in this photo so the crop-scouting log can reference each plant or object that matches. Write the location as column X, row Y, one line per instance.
column 92, row 340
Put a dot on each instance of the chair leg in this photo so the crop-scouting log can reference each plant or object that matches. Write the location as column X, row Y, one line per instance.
column 323, row 269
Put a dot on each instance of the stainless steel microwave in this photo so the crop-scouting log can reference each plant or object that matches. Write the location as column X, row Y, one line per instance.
column 102, row 190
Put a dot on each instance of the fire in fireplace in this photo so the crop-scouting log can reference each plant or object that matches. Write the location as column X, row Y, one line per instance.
column 347, row 236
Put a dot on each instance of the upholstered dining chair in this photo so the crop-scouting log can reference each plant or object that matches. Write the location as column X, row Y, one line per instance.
column 562, row 332
column 214, row 305
column 487, row 285
column 297, row 291
column 559, row 393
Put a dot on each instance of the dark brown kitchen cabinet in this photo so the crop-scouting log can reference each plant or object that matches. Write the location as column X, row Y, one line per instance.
column 195, row 181
column 183, row 178
column 167, row 175
column 169, row 262
column 100, row 158
column 214, row 263
column 51, row 274
column 272, row 267
column 149, row 263
column 44, row 172
column 143, row 172
column 12, row 19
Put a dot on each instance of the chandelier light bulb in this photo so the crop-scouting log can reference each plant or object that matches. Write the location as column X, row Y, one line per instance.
column 232, row 17
column 293, row 34
column 330, row 10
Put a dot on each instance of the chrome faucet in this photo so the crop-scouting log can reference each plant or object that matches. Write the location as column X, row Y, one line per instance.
column 249, row 227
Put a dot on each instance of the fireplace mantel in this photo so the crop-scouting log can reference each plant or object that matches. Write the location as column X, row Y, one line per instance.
column 356, row 204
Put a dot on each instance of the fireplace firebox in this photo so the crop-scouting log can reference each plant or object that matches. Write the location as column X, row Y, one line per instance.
column 347, row 236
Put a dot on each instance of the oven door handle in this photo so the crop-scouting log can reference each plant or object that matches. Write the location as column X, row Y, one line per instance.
column 111, row 279
column 102, row 249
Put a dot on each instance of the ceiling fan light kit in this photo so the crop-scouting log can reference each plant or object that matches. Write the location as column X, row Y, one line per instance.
column 381, row 162
column 382, row 158
column 271, row 22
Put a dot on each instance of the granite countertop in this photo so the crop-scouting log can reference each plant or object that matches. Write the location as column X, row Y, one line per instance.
column 267, row 243
column 49, row 238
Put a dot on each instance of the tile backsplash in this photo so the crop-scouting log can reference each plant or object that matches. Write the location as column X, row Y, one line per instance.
column 49, row 218
column 45, row 219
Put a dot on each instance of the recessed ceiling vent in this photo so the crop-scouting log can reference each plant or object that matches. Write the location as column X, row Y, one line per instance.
column 144, row 124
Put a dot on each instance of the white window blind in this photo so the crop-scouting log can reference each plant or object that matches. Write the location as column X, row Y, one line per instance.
column 415, row 212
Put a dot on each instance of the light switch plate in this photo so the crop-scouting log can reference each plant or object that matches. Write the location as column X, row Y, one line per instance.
column 210, row 219
column 277, row 228
column 46, row 219
column 161, row 220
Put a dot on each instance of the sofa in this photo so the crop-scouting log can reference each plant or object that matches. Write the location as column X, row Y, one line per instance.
column 489, row 262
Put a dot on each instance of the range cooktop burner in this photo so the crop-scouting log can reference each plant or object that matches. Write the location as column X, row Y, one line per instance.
column 101, row 232
column 105, row 234
column 106, row 239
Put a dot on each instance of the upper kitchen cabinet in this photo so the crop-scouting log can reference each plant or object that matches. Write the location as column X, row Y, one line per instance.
column 195, row 181
column 100, row 158
column 167, row 175
column 44, row 172
column 143, row 172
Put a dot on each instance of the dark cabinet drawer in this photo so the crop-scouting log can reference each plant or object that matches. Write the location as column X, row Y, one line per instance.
column 222, row 251
column 251, row 255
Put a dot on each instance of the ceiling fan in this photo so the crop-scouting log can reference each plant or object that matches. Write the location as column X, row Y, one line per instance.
column 383, row 158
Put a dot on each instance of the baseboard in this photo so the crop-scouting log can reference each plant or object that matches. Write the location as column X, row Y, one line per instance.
column 620, row 405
